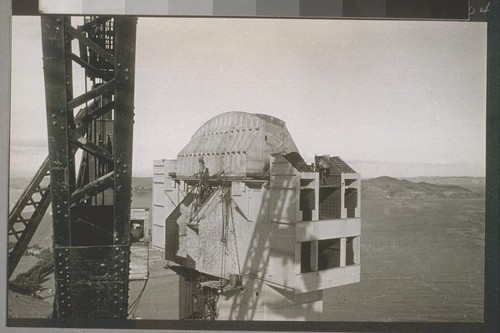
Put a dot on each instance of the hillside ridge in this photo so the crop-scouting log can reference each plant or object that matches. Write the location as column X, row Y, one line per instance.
column 385, row 187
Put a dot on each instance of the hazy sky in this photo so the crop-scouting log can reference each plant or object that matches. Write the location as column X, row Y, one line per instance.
column 390, row 97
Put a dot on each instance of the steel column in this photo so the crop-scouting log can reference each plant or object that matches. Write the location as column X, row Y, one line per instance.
column 125, row 28
column 57, row 95
column 91, row 217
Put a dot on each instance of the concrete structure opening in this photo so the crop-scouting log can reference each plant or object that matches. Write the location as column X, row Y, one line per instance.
column 329, row 203
column 352, row 251
column 305, row 257
column 329, row 254
column 351, row 201
column 307, row 202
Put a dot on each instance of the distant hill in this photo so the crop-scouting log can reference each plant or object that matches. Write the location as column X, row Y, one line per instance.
column 142, row 192
column 376, row 188
column 476, row 184
column 141, row 186
column 388, row 187
column 144, row 182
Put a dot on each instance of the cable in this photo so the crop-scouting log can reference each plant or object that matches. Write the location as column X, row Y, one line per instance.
column 234, row 236
column 223, row 257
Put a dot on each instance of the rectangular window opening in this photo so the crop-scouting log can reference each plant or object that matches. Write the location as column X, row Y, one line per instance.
column 351, row 251
column 328, row 253
column 329, row 203
column 351, row 201
column 305, row 257
column 307, row 202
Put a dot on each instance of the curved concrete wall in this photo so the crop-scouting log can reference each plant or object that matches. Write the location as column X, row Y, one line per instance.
column 237, row 144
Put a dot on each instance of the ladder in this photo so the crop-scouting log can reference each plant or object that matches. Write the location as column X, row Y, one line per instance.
column 27, row 214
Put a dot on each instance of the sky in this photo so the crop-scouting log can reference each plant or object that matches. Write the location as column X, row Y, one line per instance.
column 395, row 98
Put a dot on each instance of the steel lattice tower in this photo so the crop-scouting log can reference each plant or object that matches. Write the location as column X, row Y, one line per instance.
column 90, row 203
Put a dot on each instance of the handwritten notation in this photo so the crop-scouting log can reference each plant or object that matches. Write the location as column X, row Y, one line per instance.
column 483, row 9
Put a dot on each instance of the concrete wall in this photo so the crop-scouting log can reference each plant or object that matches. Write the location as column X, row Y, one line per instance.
column 167, row 194
column 236, row 144
column 264, row 236
column 267, row 301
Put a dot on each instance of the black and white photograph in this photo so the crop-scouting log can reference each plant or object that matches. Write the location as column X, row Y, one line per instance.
column 221, row 169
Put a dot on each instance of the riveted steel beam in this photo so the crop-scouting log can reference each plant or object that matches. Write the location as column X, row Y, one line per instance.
column 75, row 33
column 58, row 93
column 99, row 90
column 95, row 22
column 89, row 68
column 125, row 29
column 93, row 114
column 29, row 224
column 89, row 146
column 91, row 216
column 92, row 188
